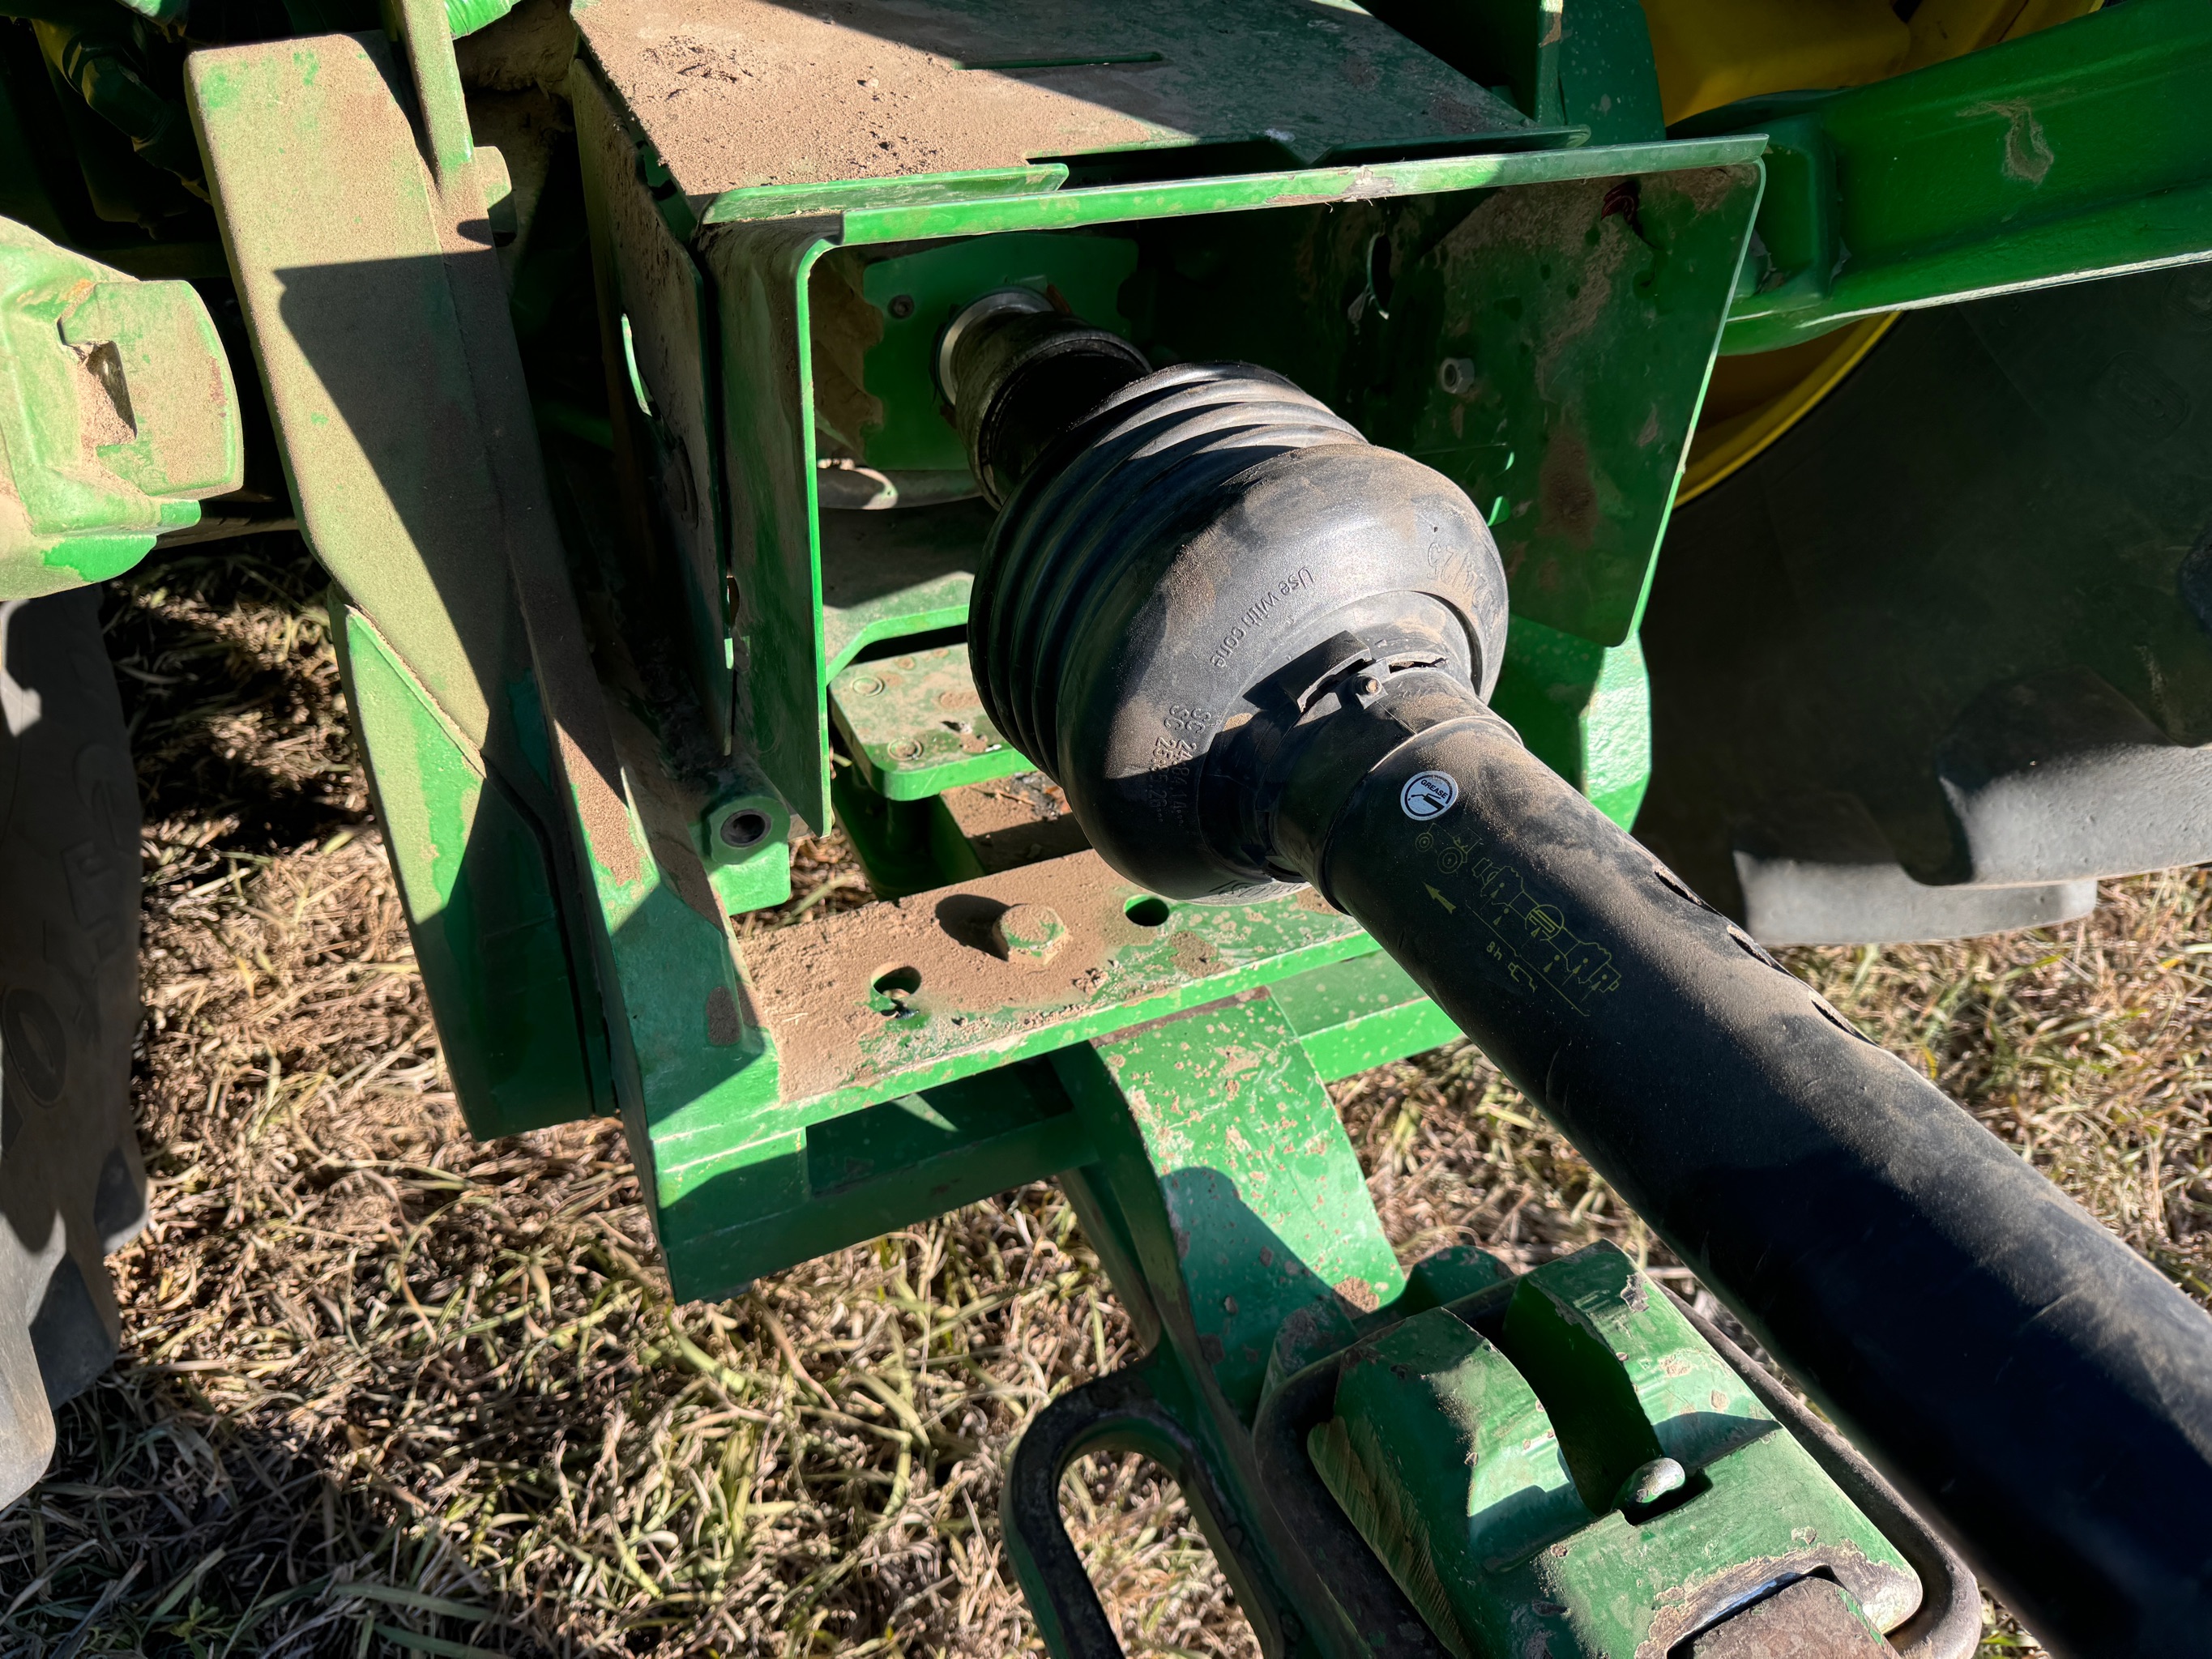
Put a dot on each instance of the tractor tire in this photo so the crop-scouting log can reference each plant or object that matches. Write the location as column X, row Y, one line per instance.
column 72, row 1186
column 1940, row 659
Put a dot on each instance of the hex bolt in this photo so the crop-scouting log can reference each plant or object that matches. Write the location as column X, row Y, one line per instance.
column 907, row 749
column 1028, row 934
column 1457, row 375
column 901, row 305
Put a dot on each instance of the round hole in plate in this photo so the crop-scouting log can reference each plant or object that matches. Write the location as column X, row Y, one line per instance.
column 1147, row 911
column 746, row 827
column 896, row 983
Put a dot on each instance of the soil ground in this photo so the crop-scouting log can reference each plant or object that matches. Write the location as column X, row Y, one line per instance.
column 385, row 1389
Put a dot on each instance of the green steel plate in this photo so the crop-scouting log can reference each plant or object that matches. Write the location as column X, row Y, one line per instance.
column 857, row 1177
column 891, row 997
column 389, row 357
column 1221, row 1123
column 2078, row 151
column 913, row 296
column 1359, row 1013
column 853, row 1177
column 886, row 575
column 1585, row 709
column 915, row 727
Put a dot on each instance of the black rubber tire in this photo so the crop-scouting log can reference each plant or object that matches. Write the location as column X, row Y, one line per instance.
column 72, row 1186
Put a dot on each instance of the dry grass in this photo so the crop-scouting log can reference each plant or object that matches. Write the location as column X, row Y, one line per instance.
column 387, row 1389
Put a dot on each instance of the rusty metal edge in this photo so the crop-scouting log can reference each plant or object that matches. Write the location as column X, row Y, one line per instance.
column 1948, row 1622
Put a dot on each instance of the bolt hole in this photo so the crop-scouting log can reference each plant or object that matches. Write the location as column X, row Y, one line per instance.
column 744, row 827
column 889, row 990
column 1147, row 911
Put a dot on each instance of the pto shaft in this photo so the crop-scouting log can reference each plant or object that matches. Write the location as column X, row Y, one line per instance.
column 2017, row 1370
column 1253, row 650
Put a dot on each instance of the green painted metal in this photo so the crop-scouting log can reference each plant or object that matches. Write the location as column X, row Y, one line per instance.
column 1228, row 1160
column 1244, row 81
column 360, row 338
column 117, row 415
column 1514, row 47
column 1231, row 1217
column 2077, row 151
column 854, row 1177
column 704, row 1068
column 870, row 211
column 354, row 338
column 887, row 575
column 423, row 30
column 467, row 16
column 1515, row 1487
column 447, row 667
column 658, row 326
column 397, row 392
column 753, row 203
column 767, row 449
column 1203, row 953
column 815, row 1186
column 1490, row 1472
column 906, row 846
column 1361, row 1012
column 743, row 840
column 915, row 726
column 782, row 563
column 910, row 299
column 1557, row 388
column 791, row 307
column 847, row 1045
column 1585, row 709
column 479, row 883
column 1586, row 64
column 1607, row 80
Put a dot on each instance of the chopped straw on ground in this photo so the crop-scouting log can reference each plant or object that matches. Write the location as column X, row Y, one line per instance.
column 387, row 1390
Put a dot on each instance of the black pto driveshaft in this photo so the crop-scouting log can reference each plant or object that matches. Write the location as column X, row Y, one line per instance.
column 1254, row 649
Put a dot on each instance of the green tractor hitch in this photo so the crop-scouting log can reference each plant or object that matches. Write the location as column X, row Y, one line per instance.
column 1660, row 1493
column 1182, row 492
